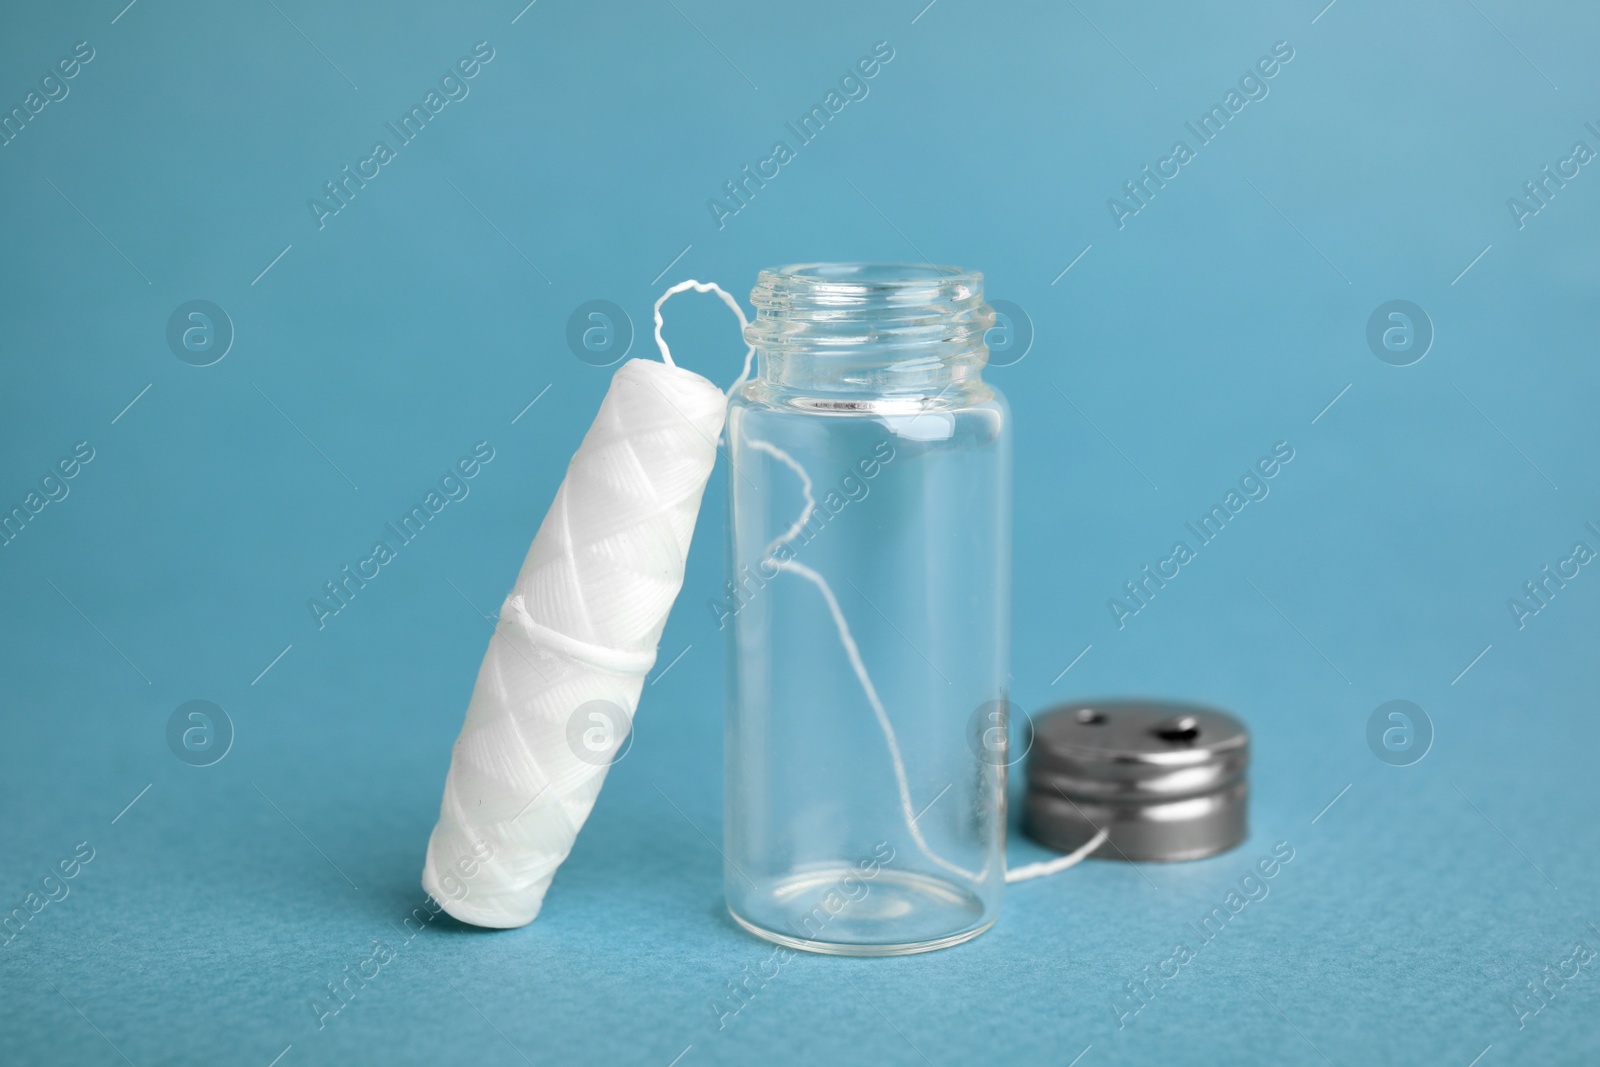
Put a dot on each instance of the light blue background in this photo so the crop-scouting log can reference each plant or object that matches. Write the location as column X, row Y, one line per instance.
column 1223, row 318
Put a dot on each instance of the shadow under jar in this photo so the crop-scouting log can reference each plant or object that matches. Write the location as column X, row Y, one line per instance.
column 867, row 611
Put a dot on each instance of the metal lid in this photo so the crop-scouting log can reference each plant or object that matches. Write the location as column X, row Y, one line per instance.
column 1167, row 780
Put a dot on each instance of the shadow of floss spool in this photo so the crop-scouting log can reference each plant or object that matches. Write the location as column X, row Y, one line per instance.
column 1166, row 781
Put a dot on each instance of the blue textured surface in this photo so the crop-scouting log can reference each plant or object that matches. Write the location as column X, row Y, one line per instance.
column 1222, row 318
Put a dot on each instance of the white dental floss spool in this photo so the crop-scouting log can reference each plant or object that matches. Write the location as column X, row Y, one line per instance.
column 576, row 637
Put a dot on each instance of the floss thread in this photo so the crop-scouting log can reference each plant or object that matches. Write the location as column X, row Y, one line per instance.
column 864, row 679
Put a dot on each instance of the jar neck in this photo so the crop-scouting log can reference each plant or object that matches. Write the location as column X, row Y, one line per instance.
column 864, row 330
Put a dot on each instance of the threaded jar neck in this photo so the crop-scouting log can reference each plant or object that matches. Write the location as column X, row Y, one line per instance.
column 873, row 329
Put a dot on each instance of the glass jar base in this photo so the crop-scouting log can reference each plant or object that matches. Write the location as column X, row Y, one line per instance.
column 900, row 913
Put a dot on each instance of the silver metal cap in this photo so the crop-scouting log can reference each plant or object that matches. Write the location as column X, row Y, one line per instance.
column 1167, row 780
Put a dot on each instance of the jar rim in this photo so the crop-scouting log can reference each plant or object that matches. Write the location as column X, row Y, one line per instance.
column 876, row 274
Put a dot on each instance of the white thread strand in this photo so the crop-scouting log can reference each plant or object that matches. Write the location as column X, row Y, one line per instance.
column 733, row 305
column 1060, row 863
column 854, row 654
column 884, row 724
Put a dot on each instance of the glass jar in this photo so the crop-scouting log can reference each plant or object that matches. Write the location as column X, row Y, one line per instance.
column 867, row 608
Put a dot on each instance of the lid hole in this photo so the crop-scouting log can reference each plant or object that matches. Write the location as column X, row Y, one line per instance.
column 1182, row 730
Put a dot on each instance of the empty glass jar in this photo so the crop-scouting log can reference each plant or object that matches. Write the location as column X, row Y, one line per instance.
column 867, row 609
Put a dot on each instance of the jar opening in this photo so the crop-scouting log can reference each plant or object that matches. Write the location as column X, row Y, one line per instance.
column 878, row 274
